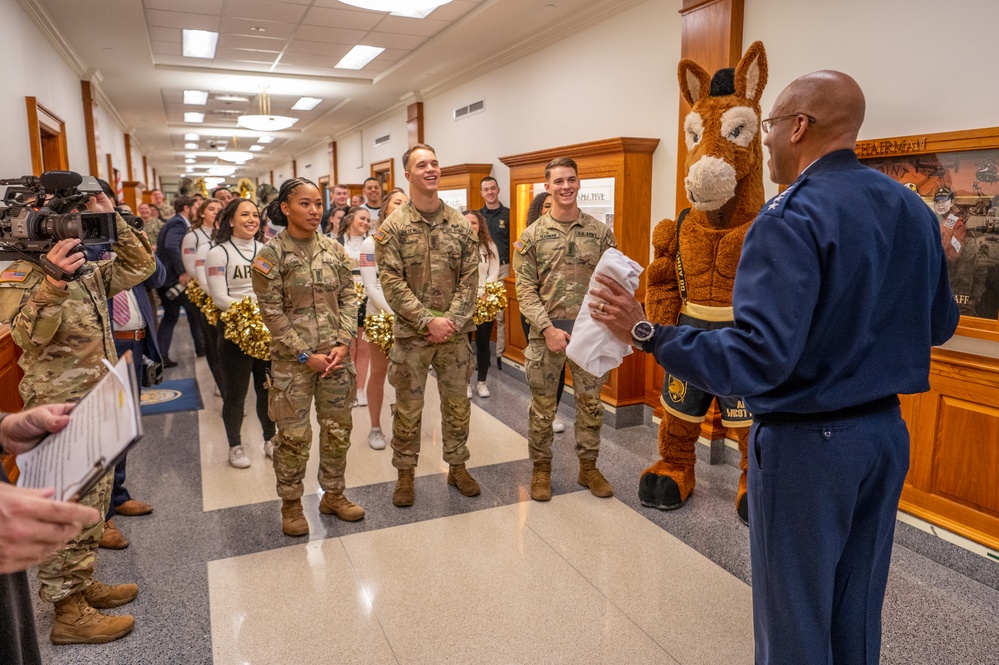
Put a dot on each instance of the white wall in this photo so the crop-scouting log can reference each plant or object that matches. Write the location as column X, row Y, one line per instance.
column 110, row 139
column 313, row 164
column 356, row 151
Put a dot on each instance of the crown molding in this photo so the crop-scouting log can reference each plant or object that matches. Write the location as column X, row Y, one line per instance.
column 44, row 23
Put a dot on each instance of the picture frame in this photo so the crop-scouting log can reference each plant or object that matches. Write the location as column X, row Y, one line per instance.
column 957, row 174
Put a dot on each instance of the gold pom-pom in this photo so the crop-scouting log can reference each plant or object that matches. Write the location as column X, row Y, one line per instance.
column 245, row 328
column 203, row 301
column 195, row 293
column 359, row 287
column 492, row 302
column 378, row 330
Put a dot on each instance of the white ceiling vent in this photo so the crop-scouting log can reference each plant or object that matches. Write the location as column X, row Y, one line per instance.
column 465, row 111
column 382, row 140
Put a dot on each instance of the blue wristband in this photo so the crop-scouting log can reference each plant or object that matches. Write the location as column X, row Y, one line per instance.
column 304, row 358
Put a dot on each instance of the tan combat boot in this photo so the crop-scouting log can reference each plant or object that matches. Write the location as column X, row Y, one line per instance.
column 105, row 596
column 112, row 538
column 590, row 476
column 76, row 622
column 404, row 494
column 292, row 519
column 339, row 505
column 459, row 477
column 541, row 481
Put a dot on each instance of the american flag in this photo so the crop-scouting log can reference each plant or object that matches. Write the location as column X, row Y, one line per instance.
column 367, row 260
column 216, row 271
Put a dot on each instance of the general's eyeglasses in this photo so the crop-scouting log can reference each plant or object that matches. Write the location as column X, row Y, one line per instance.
column 768, row 123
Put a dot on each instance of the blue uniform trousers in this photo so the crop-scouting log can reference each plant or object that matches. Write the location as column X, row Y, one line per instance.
column 822, row 505
column 119, row 494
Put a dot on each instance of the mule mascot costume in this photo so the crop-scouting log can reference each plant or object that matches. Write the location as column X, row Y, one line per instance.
column 691, row 278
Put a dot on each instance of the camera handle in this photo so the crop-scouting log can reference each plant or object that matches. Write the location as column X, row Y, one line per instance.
column 57, row 273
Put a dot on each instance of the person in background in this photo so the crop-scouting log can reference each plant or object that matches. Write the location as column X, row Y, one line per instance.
column 497, row 218
column 34, row 527
column 488, row 272
column 351, row 233
column 151, row 222
column 163, row 210
column 336, row 216
column 194, row 249
column 228, row 264
column 308, row 301
column 339, row 201
column 373, row 194
column 222, row 194
column 172, row 296
column 540, row 205
column 356, row 200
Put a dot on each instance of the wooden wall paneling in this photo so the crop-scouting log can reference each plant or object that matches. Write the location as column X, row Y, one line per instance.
column 34, row 136
column 133, row 194
column 333, row 168
column 128, row 156
column 414, row 124
column 10, row 398
column 385, row 172
column 467, row 177
column 145, row 172
column 88, row 122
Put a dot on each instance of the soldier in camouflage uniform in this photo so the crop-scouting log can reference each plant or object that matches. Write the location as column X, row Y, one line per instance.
column 63, row 329
column 553, row 262
column 428, row 262
column 305, row 291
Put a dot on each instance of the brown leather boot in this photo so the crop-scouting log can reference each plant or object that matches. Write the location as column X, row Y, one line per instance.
column 102, row 596
column 339, row 505
column 541, row 481
column 459, row 477
column 292, row 519
column 404, row 494
column 76, row 622
column 590, row 476
column 112, row 538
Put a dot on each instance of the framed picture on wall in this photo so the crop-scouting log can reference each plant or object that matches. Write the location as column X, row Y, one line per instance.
column 384, row 171
column 957, row 175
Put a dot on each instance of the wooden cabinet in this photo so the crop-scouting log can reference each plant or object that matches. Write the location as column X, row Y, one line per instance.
column 10, row 398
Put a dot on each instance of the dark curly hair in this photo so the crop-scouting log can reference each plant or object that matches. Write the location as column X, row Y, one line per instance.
column 534, row 210
column 274, row 213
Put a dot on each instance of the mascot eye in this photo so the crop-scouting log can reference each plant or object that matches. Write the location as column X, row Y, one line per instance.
column 734, row 134
column 695, row 137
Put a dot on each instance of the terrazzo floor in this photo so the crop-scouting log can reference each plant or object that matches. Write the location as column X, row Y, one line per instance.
column 489, row 579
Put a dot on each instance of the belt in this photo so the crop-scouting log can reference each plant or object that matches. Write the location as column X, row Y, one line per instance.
column 134, row 335
column 865, row 409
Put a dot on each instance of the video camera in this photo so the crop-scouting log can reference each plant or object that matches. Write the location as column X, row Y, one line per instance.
column 36, row 212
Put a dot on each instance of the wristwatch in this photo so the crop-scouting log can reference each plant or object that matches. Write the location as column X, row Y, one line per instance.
column 304, row 357
column 641, row 333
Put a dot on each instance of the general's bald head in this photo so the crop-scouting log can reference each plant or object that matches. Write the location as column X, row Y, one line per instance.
column 833, row 98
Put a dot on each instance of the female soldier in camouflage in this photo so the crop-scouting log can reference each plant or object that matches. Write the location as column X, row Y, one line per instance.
column 308, row 301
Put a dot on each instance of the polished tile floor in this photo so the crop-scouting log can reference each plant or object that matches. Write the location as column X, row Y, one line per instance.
column 490, row 579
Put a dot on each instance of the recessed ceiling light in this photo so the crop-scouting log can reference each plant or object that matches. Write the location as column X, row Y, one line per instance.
column 190, row 161
column 197, row 97
column 200, row 43
column 194, row 117
column 358, row 57
column 221, row 170
column 409, row 8
column 232, row 98
column 306, row 104
column 257, row 28
column 265, row 139
column 190, row 146
column 190, row 155
column 189, row 169
column 256, row 147
column 192, row 137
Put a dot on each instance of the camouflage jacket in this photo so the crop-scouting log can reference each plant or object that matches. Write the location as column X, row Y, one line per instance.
column 66, row 333
column 553, row 263
column 308, row 307
column 425, row 269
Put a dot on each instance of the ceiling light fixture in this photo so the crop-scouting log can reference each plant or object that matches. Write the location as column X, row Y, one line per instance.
column 192, row 137
column 265, row 139
column 256, row 147
column 306, row 104
column 408, row 8
column 265, row 121
column 358, row 57
column 190, row 116
column 190, row 146
column 200, row 43
column 224, row 171
column 196, row 97
column 190, row 160
column 236, row 156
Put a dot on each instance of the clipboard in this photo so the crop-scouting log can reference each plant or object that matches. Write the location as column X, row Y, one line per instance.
column 103, row 427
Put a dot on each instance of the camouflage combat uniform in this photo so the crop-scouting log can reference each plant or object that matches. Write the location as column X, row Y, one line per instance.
column 307, row 300
column 429, row 270
column 65, row 334
column 553, row 263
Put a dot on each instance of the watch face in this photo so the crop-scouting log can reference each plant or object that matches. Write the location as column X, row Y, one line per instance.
column 642, row 331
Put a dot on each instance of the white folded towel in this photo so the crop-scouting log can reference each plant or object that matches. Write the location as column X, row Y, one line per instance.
column 592, row 346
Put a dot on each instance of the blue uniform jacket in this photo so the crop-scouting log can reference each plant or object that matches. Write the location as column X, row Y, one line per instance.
column 168, row 248
column 841, row 291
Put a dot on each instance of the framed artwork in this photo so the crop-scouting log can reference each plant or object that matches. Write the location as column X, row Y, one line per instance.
column 957, row 175
column 384, row 171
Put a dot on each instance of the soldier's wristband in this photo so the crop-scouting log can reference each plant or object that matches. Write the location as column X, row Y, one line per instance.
column 304, row 357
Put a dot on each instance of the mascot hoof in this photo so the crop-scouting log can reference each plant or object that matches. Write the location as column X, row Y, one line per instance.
column 660, row 492
column 743, row 509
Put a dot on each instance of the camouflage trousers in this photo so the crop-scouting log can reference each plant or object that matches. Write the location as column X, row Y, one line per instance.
column 542, row 368
column 409, row 360
column 293, row 387
column 70, row 569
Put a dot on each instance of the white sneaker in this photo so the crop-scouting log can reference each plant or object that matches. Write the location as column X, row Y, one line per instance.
column 269, row 448
column 483, row 389
column 362, row 399
column 558, row 426
column 238, row 458
column 376, row 439
column 468, row 391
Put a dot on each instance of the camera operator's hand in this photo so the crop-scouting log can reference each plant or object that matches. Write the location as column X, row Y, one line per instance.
column 100, row 203
column 61, row 257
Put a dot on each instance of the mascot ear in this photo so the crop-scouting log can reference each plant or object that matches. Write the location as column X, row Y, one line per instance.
column 751, row 73
column 694, row 81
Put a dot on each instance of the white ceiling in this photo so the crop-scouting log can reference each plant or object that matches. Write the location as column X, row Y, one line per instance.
column 289, row 47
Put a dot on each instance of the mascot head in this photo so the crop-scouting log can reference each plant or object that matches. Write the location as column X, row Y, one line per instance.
column 722, row 132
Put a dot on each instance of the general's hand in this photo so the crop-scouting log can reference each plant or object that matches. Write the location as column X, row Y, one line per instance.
column 20, row 432
column 59, row 255
column 335, row 357
column 318, row 362
column 440, row 329
column 556, row 339
column 34, row 526
column 615, row 308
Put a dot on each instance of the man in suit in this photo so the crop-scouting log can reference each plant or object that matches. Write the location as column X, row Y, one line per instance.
column 172, row 292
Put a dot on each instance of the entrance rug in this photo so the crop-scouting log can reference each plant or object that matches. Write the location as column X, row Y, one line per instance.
column 171, row 396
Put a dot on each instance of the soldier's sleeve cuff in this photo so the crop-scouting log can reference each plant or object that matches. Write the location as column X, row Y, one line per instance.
column 52, row 295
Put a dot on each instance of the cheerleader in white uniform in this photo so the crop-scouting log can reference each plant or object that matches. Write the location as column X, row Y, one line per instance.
column 351, row 233
column 196, row 243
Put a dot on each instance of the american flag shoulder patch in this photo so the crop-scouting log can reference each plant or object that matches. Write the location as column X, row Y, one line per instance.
column 521, row 246
column 216, row 270
column 199, row 262
column 190, row 250
column 262, row 266
column 380, row 235
column 367, row 260
column 13, row 275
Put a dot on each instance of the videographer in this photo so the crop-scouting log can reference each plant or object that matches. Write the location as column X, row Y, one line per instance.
column 63, row 328
column 32, row 526
column 172, row 293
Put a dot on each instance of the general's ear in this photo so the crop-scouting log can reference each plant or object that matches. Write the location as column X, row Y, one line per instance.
column 694, row 81
column 751, row 73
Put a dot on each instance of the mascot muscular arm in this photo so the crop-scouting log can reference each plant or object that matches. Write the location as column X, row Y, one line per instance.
column 724, row 184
